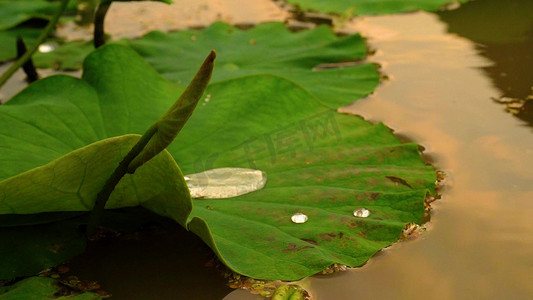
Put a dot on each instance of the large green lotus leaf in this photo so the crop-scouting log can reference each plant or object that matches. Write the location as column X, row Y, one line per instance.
column 317, row 161
column 370, row 7
column 42, row 288
column 268, row 48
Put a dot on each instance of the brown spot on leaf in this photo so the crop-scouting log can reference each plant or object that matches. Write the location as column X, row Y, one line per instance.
column 374, row 196
column 399, row 180
column 310, row 241
column 328, row 237
column 292, row 247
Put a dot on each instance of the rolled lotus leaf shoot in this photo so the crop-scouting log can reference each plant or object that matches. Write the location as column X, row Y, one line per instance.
column 164, row 130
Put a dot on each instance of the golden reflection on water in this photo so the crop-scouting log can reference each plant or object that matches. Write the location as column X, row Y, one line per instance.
column 481, row 242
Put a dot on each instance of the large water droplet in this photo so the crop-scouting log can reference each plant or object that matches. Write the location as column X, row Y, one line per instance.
column 361, row 212
column 225, row 182
column 299, row 218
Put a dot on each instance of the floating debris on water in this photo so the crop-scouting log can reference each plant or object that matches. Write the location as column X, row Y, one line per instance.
column 225, row 182
column 513, row 105
column 412, row 231
column 290, row 291
column 334, row 268
column 299, row 218
column 361, row 212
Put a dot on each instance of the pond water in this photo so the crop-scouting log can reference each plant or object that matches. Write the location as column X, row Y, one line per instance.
column 480, row 242
column 480, row 245
column 439, row 94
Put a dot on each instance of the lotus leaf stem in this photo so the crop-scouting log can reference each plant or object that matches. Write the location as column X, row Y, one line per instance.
column 114, row 179
column 99, row 17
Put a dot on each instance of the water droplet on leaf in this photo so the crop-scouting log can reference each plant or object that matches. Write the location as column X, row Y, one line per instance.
column 225, row 182
column 361, row 212
column 48, row 47
column 299, row 218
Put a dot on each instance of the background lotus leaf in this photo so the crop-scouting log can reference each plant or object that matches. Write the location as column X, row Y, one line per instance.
column 13, row 13
column 8, row 40
column 265, row 49
column 15, row 17
column 268, row 48
column 370, row 7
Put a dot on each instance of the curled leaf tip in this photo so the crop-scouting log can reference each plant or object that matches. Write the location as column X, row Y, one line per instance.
column 163, row 132
column 212, row 56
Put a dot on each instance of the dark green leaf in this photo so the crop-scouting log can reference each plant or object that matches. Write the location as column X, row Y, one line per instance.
column 27, row 250
column 42, row 288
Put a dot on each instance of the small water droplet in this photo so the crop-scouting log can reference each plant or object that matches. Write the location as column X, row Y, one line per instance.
column 225, row 182
column 299, row 218
column 206, row 99
column 361, row 212
column 47, row 47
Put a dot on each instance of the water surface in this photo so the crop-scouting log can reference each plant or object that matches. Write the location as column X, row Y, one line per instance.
column 480, row 245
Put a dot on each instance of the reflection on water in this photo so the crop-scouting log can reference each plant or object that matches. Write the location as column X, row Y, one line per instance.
column 503, row 31
column 481, row 243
